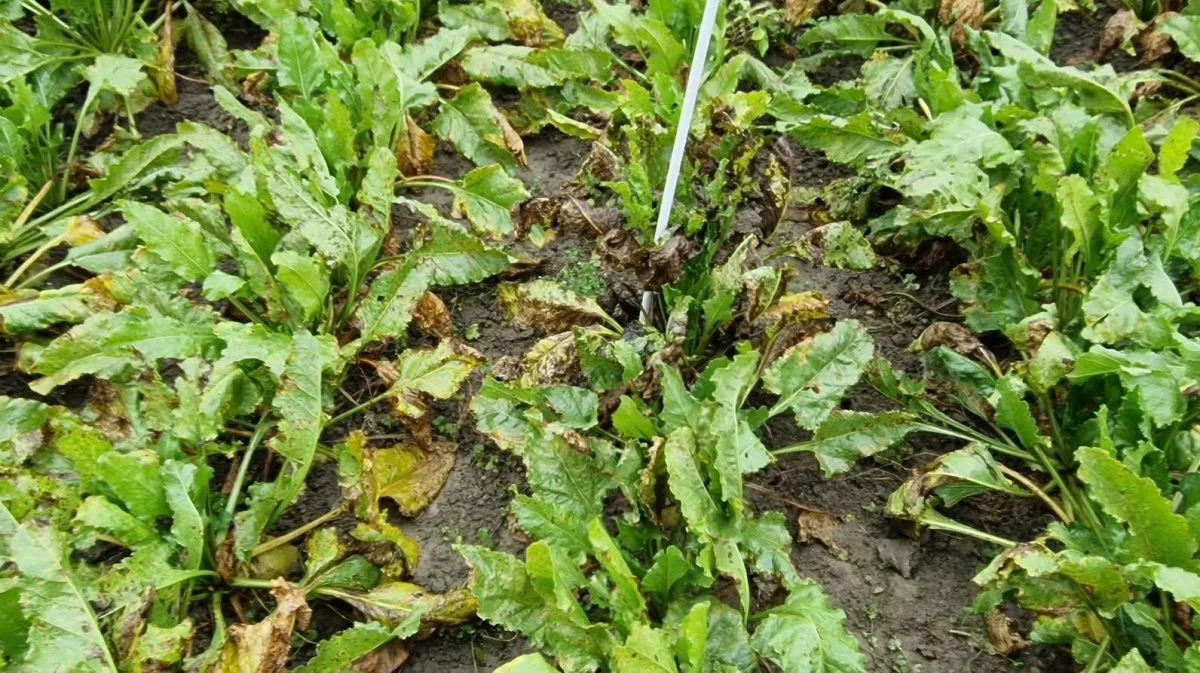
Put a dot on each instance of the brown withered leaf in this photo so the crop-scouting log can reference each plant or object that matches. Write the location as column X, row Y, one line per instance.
column 665, row 263
column 820, row 526
column 1153, row 43
column 796, row 12
column 602, row 164
column 506, row 368
column 619, row 249
column 549, row 308
column 163, row 73
column 796, row 308
column 387, row 658
column 1000, row 632
column 393, row 602
column 432, row 317
column 512, row 139
column 414, row 149
column 578, row 217
column 552, row 360
column 264, row 647
column 951, row 335
column 959, row 13
column 252, row 89
column 1118, row 30
column 411, row 476
column 538, row 210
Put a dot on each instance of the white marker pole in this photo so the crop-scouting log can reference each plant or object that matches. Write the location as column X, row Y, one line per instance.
column 691, row 93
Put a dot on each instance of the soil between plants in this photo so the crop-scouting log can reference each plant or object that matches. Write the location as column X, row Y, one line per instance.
column 906, row 600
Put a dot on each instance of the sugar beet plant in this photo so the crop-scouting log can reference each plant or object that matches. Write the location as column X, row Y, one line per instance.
column 216, row 332
column 1078, row 214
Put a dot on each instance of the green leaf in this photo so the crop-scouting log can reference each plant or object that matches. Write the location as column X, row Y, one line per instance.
column 485, row 196
column 888, row 82
column 334, row 231
column 338, row 652
column 136, row 478
column 100, row 514
column 849, row 436
column 507, row 65
column 629, row 421
column 651, row 37
column 476, row 128
column 110, row 72
column 305, row 279
column 63, row 632
column 812, row 379
column 628, row 606
column 856, row 33
column 185, row 488
column 436, row 372
column 455, row 257
column 647, row 650
column 1156, row 531
column 807, row 634
column 107, row 344
column 527, row 663
column 1185, row 30
column 27, row 311
column 385, row 311
column 300, row 67
column 176, row 239
column 851, row 140
column 686, row 481
column 841, row 246
column 485, row 20
column 507, row 597
column 669, row 569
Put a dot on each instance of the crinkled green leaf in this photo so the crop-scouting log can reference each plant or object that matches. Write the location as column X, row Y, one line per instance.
column 473, row 125
column 811, row 380
column 176, row 239
column 485, row 196
column 807, row 634
column 455, row 257
column 305, row 279
column 848, row 436
column 1155, row 530
column 63, row 630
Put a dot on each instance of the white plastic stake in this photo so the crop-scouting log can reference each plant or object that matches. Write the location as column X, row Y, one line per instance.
column 695, row 77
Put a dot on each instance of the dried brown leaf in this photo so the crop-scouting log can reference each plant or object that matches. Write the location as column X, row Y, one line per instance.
column 951, row 335
column 512, row 139
column 601, row 164
column 1153, row 43
column 960, row 13
column 264, row 647
column 1119, row 28
column 796, row 12
column 432, row 316
column 1000, row 632
column 385, row 659
column 819, row 526
column 415, row 149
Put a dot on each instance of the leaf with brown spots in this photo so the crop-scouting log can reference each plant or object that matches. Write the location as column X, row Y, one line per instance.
column 411, row 477
column 264, row 647
column 432, row 316
column 1000, row 633
column 414, row 150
